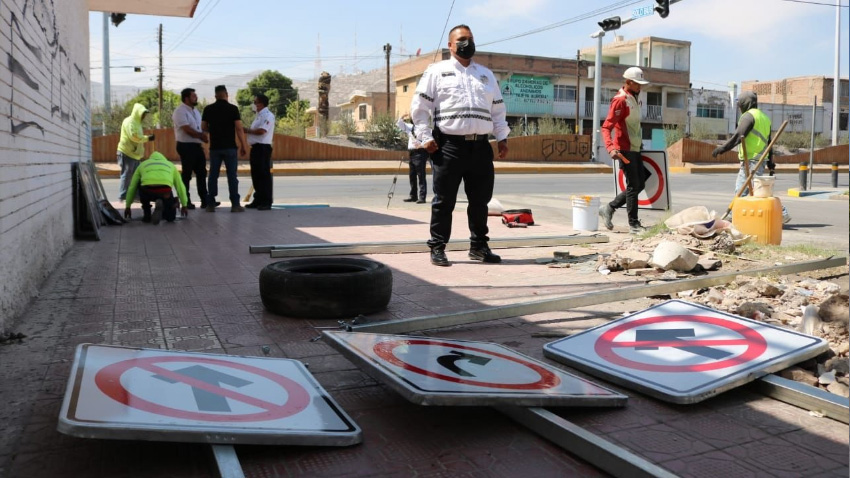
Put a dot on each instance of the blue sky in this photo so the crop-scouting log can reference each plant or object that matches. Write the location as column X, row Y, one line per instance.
column 732, row 40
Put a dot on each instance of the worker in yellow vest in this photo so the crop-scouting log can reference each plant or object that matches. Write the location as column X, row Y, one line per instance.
column 754, row 131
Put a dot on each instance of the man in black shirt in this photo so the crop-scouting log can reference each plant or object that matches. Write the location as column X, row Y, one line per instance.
column 223, row 122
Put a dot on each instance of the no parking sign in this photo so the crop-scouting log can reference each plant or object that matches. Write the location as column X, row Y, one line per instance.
column 656, row 192
column 138, row 394
column 682, row 352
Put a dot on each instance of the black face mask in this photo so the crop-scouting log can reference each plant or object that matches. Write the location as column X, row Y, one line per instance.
column 465, row 49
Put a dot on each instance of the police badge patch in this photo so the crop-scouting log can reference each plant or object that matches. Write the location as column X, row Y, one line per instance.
column 485, row 79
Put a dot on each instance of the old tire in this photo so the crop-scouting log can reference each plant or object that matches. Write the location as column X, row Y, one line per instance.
column 325, row 287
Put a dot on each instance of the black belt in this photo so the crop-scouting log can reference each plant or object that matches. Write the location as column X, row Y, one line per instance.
column 467, row 137
column 417, row 149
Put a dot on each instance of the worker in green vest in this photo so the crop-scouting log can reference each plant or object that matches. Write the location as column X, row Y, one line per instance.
column 754, row 131
column 154, row 178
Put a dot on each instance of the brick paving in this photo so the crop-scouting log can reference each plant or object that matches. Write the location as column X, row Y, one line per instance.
column 193, row 286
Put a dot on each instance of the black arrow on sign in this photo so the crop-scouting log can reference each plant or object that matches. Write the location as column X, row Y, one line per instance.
column 448, row 361
column 208, row 401
column 673, row 335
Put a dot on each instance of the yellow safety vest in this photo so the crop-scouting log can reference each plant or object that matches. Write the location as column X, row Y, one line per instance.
column 756, row 140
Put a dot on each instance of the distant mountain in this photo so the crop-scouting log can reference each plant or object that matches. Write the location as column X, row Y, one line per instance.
column 342, row 86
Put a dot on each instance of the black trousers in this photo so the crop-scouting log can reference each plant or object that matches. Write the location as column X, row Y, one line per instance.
column 418, row 160
column 261, row 173
column 635, row 174
column 459, row 160
column 192, row 160
column 151, row 194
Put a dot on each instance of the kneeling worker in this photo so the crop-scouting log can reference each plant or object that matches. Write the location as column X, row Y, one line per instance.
column 154, row 178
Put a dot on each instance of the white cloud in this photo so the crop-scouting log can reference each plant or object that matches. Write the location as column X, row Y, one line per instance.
column 499, row 11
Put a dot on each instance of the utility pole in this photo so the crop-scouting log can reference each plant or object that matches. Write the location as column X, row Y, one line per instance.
column 159, row 116
column 107, row 96
column 387, row 49
column 836, row 80
column 578, row 127
column 597, row 96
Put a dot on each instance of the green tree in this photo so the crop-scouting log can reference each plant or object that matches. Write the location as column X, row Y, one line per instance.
column 272, row 84
column 381, row 131
column 296, row 120
column 150, row 99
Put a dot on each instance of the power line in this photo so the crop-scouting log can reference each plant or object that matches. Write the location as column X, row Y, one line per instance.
column 816, row 3
column 194, row 27
column 568, row 21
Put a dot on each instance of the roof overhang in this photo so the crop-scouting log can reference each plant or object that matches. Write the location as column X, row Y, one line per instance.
column 166, row 8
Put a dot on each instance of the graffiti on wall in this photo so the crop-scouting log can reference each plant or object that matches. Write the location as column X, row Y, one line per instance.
column 41, row 67
column 560, row 149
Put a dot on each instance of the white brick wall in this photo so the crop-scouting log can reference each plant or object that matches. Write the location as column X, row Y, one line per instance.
column 44, row 127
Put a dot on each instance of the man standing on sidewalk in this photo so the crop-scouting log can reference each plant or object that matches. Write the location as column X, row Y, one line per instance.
column 418, row 158
column 189, row 137
column 623, row 138
column 223, row 122
column 155, row 179
column 260, row 136
column 465, row 103
column 131, row 147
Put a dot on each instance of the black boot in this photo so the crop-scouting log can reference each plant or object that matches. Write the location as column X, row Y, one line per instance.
column 438, row 257
column 483, row 254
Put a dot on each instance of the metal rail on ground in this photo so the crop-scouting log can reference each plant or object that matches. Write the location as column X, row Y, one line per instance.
column 226, row 461
column 592, row 298
column 805, row 397
column 393, row 247
column 592, row 448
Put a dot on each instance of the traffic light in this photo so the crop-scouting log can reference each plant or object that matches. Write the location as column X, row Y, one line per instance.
column 117, row 18
column 609, row 24
column 663, row 8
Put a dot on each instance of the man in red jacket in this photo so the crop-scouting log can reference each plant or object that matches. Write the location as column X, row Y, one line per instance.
column 622, row 133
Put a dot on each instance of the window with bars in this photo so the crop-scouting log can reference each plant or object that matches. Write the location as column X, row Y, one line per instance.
column 710, row 111
column 565, row 93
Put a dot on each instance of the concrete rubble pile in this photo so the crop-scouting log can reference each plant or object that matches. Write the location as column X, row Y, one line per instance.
column 814, row 307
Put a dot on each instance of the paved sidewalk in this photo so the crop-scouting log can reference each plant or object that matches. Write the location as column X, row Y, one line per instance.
column 192, row 285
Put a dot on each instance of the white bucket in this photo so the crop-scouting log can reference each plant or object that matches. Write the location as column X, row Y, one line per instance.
column 763, row 186
column 585, row 213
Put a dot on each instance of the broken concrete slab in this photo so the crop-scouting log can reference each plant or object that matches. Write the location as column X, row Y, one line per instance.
column 673, row 256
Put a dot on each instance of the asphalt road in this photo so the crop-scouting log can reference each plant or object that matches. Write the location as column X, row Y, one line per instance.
column 817, row 221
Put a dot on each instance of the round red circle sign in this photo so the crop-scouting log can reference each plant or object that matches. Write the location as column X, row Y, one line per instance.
column 385, row 351
column 607, row 344
column 645, row 202
column 108, row 380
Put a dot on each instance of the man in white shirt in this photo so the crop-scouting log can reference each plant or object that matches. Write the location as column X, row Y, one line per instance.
column 418, row 158
column 465, row 103
column 260, row 136
column 189, row 137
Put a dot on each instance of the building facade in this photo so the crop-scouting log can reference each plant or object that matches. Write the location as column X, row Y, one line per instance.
column 792, row 99
column 363, row 105
column 47, row 100
column 536, row 87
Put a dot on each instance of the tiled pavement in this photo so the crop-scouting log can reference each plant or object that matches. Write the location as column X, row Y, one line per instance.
column 193, row 286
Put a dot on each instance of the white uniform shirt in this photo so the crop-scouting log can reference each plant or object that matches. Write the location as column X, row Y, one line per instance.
column 264, row 120
column 186, row 115
column 412, row 142
column 460, row 100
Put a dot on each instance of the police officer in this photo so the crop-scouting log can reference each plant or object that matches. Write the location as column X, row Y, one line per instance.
column 260, row 136
column 464, row 101
column 418, row 158
column 754, row 132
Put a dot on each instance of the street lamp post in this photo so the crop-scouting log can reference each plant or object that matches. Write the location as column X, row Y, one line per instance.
column 597, row 95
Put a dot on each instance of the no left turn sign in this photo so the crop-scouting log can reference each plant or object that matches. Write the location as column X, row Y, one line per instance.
column 683, row 352
column 656, row 192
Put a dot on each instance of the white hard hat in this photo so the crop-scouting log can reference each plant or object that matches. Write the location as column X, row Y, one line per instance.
column 635, row 74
